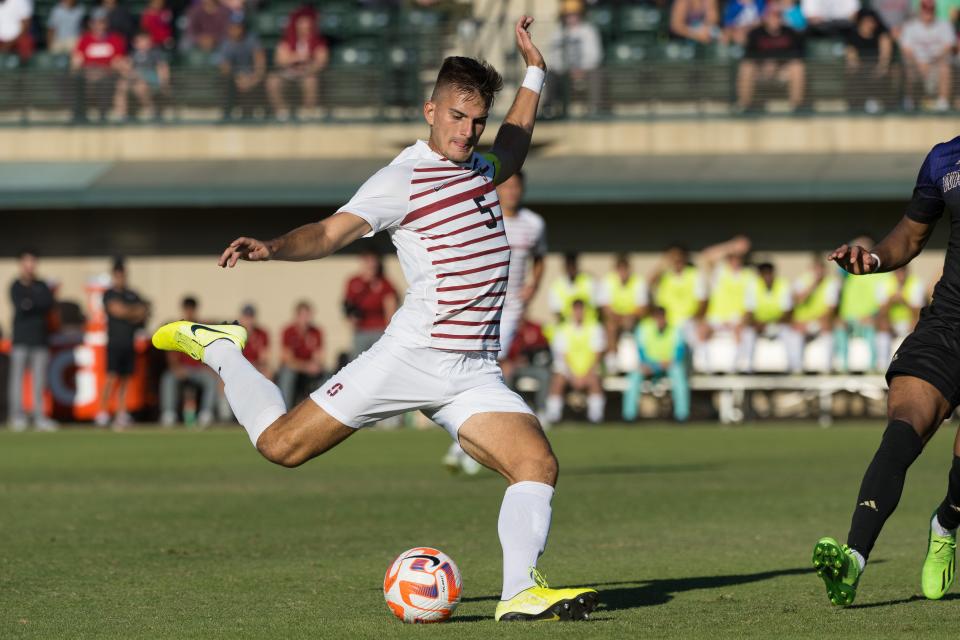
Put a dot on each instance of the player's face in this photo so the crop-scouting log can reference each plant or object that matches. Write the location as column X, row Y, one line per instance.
column 510, row 193
column 28, row 265
column 457, row 121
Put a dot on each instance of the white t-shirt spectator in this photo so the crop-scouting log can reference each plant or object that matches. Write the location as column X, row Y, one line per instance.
column 829, row 9
column 12, row 15
column 894, row 13
column 576, row 48
column 927, row 41
column 66, row 23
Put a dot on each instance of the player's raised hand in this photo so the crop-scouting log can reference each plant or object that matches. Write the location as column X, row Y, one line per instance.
column 531, row 55
column 244, row 249
column 854, row 259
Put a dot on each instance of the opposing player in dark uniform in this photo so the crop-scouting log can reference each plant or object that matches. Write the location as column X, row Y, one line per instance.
column 924, row 381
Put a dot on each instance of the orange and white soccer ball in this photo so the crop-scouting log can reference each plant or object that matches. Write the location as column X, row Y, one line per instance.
column 422, row 585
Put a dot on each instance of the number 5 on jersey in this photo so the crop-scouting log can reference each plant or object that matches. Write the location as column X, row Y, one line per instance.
column 486, row 210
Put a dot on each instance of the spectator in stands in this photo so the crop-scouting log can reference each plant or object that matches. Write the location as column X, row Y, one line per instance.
column 727, row 308
column 530, row 357
column 126, row 312
column 868, row 55
column 299, row 59
column 893, row 14
column 157, row 20
column 901, row 298
column 695, row 20
column 207, row 22
column 829, row 18
column 147, row 76
column 301, row 362
column 119, row 19
column 244, row 63
column 573, row 285
column 739, row 18
column 859, row 311
column 15, row 36
column 32, row 301
column 257, row 350
column 770, row 316
column 578, row 345
column 927, row 45
column 182, row 370
column 816, row 295
column 577, row 53
column 98, row 61
column 663, row 354
column 680, row 288
column 773, row 53
column 622, row 297
column 64, row 26
column 369, row 301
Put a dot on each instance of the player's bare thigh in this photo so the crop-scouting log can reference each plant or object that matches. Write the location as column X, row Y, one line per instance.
column 301, row 434
column 918, row 403
column 512, row 444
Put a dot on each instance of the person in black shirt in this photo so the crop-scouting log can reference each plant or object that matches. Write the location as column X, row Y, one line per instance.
column 868, row 54
column 126, row 312
column 774, row 53
column 924, row 381
column 32, row 301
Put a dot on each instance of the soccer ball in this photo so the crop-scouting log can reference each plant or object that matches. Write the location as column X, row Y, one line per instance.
column 422, row 585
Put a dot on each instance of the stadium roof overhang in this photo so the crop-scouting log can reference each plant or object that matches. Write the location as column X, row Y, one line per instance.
column 553, row 180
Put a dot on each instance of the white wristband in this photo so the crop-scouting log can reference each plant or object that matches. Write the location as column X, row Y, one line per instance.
column 877, row 258
column 534, row 79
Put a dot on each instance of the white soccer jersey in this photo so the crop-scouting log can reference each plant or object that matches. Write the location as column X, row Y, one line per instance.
column 526, row 235
column 445, row 220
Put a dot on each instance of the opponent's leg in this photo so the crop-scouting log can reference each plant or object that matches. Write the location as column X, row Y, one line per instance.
column 939, row 566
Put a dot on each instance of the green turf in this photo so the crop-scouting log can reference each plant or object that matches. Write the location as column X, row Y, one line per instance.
column 687, row 532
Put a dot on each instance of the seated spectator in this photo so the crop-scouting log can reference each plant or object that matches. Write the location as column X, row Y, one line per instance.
column 816, row 295
column 181, row 370
column 774, row 53
column 157, row 20
column 577, row 52
column 695, row 20
column 244, row 63
column 901, row 298
column 15, row 37
column 680, row 288
column 207, row 22
column 893, row 14
column 868, row 54
column 727, row 308
column 299, row 59
column 147, row 75
column 530, row 357
column 739, row 18
column 369, row 301
column 622, row 297
column 829, row 18
column 578, row 345
column 257, row 349
column 927, row 45
column 301, row 362
column 663, row 354
column 859, row 312
column 119, row 19
column 64, row 26
column 770, row 315
column 98, row 61
column 573, row 285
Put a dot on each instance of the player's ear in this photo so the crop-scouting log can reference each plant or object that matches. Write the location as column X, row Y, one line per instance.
column 429, row 111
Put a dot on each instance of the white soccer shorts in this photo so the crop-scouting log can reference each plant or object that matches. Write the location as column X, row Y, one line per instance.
column 389, row 379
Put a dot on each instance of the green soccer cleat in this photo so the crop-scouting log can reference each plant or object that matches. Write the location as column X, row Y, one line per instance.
column 192, row 338
column 939, row 566
column 839, row 569
column 541, row 603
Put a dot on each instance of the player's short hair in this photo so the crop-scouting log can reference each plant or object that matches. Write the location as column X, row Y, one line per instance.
column 27, row 251
column 657, row 311
column 189, row 302
column 579, row 302
column 304, row 305
column 765, row 266
column 622, row 259
column 119, row 264
column 468, row 76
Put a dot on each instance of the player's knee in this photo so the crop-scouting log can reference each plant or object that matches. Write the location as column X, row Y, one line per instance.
column 541, row 467
column 279, row 448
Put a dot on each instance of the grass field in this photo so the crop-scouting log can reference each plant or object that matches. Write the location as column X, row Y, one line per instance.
column 687, row 532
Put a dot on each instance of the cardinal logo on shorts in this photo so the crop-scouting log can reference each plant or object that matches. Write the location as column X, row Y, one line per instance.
column 335, row 389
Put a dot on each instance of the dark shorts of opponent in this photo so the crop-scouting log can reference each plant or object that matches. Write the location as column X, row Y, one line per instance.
column 931, row 353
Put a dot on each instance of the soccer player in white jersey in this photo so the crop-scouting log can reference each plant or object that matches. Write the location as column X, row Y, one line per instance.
column 437, row 201
column 526, row 235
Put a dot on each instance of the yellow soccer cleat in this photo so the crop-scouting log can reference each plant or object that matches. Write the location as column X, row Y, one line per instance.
column 192, row 338
column 543, row 603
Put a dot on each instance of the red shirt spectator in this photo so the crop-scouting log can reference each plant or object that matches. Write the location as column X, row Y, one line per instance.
column 528, row 341
column 257, row 344
column 100, row 50
column 157, row 20
column 368, row 302
column 302, row 344
column 207, row 22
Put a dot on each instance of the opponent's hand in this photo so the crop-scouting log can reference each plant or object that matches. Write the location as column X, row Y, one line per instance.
column 244, row 249
column 855, row 259
column 531, row 55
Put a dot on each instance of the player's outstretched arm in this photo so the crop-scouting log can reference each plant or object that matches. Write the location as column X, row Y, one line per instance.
column 309, row 242
column 513, row 139
column 900, row 246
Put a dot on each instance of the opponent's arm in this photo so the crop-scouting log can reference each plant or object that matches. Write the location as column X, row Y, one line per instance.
column 309, row 242
column 513, row 139
column 899, row 247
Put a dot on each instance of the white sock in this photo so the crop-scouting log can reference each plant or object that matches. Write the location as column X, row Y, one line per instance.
column 554, row 408
column 523, row 527
column 595, row 406
column 256, row 402
column 939, row 528
column 860, row 559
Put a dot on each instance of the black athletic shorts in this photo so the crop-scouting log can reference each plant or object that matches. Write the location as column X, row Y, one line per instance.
column 931, row 353
column 120, row 359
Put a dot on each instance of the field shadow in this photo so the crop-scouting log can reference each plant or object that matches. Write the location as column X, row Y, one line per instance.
column 638, row 469
column 893, row 603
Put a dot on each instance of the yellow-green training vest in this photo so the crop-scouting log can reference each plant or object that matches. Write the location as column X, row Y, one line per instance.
column 858, row 299
column 815, row 306
column 623, row 297
column 728, row 300
column 581, row 288
column 769, row 308
column 677, row 293
column 901, row 312
column 659, row 347
column 580, row 354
